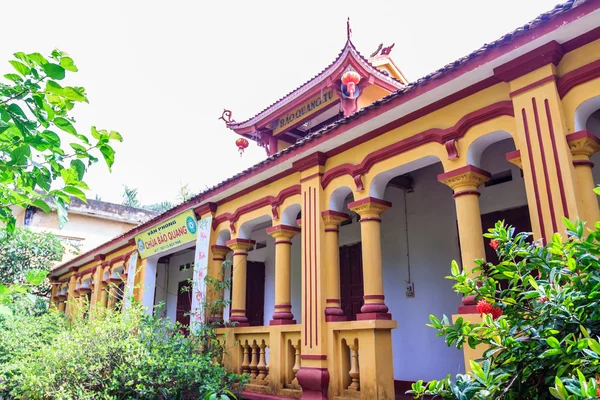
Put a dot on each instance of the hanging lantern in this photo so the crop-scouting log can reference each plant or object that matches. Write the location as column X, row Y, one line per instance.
column 241, row 144
column 350, row 80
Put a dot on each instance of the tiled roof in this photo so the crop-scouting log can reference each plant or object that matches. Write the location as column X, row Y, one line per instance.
column 311, row 83
column 198, row 199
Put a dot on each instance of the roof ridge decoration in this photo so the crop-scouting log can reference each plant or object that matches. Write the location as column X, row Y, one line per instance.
column 349, row 50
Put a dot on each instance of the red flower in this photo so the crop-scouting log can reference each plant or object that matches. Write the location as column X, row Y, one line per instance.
column 496, row 312
column 542, row 299
column 598, row 389
column 483, row 307
column 494, row 244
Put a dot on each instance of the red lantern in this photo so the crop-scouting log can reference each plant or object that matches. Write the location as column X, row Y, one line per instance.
column 241, row 144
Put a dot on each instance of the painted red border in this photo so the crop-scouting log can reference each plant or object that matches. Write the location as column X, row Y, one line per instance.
column 549, row 53
column 438, row 135
column 578, row 76
column 369, row 200
column 535, row 84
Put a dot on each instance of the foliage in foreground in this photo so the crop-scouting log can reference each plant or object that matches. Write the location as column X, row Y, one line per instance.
column 110, row 355
column 544, row 344
column 40, row 146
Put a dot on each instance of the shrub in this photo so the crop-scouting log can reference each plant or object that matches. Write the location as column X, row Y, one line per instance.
column 113, row 355
column 540, row 328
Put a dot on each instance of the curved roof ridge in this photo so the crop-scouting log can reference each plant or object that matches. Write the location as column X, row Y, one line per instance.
column 349, row 48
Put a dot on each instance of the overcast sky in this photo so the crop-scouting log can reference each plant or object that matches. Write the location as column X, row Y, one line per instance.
column 161, row 72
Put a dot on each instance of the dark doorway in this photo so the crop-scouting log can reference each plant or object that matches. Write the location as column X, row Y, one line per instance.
column 516, row 217
column 351, row 280
column 255, row 293
column 184, row 303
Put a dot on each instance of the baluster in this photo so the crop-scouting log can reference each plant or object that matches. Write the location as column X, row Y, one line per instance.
column 254, row 362
column 262, row 362
column 246, row 359
column 296, row 367
column 354, row 368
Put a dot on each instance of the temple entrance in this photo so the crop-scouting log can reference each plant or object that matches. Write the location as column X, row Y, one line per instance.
column 516, row 217
column 184, row 303
column 255, row 293
column 351, row 280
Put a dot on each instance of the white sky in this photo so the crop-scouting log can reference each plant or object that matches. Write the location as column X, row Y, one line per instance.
column 161, row 72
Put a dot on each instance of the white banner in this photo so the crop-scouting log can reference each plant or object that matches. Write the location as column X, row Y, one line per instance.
column 200, row 270
column 131, row 270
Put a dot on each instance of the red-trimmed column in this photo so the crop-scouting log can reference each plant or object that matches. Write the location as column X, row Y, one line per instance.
column 238, row 275
column 218, row 257
column 332, row 220
column 370, row 210
column 583, row 145
column 464, row 182
column 283, row 235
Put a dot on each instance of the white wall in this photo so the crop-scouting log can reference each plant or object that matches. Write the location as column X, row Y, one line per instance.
column 168, row 279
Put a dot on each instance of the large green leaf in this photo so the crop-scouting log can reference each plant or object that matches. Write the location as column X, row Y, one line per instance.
column 54, row 71
column 65, row 125
column 20, row 67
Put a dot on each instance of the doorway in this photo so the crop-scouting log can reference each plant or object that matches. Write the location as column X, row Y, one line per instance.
column 515, row 217
column 351, row 280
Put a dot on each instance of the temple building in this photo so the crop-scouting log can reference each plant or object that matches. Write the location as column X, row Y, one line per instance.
column 337, row 244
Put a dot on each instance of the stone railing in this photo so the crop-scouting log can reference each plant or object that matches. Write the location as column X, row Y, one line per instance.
column 360, row 362
column 269, row 355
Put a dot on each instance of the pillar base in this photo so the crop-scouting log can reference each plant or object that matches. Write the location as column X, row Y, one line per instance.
column 372, row 316
column 282, row 322
column 335, row 318
column 239, row 320
column 468, row 309
column 314, row 383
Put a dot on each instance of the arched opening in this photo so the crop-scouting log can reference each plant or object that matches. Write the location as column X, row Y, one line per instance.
column 587, row 116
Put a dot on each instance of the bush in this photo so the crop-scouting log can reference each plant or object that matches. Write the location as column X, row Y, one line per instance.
column 540, row 328
column 22, row 334
column 113, row 355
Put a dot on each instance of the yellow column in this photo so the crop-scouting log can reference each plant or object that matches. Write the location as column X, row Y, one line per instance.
column 370, row 210
column 218, row 257
column 71, row 295
column 112, row 283
column 541, row 138
column 97, row 290
column 54, row 300
column 238, row 291
column 583, row 144
column 464, row 182
column 283, row 235
column 332, row 220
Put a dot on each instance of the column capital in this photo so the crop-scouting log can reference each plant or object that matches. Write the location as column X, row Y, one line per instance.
column 514, row 157
column 283, row 233
column 240, row 245
column 369, row 206
column 467, row 176
column 334, row 218
column 583, row 143
column 219, row 252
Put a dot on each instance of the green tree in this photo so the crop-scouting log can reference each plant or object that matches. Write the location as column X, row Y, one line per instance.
column 540, row 329
column 184, row 193
column 23, row 251
column 130, row 197
column 43, row 157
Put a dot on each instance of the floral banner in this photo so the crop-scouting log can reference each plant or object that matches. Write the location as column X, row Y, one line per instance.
column 200, row 269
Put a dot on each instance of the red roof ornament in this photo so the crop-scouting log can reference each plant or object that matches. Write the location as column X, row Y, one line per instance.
column 350, row 81
column 241, row 144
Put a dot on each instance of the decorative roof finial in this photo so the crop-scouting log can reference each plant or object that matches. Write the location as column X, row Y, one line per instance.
column 348, row 29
